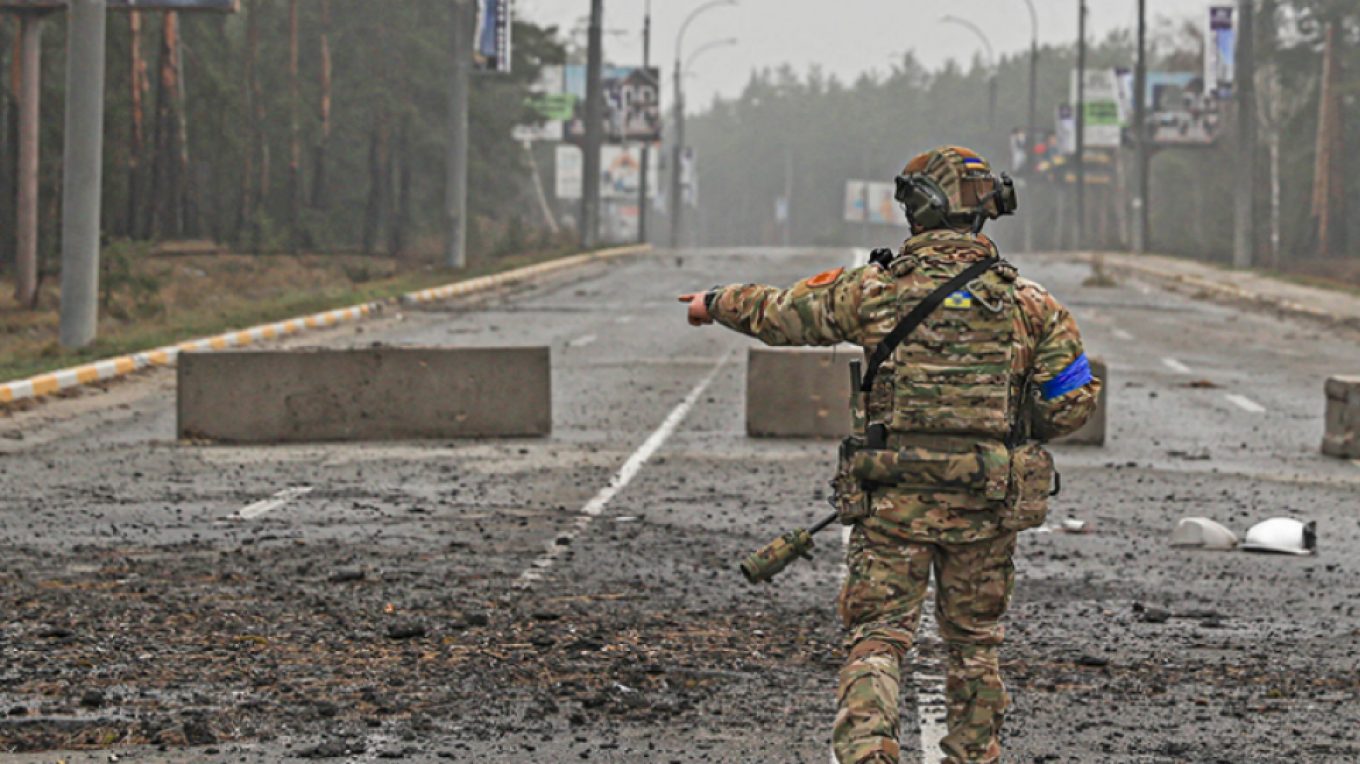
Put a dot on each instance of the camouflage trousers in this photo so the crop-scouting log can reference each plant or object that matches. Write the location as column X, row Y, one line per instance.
column 881, row 606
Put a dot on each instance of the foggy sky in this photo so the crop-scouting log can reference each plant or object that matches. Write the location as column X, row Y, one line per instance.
column 846, row 37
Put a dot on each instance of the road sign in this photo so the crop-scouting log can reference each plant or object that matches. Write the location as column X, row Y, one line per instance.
column 491, row 48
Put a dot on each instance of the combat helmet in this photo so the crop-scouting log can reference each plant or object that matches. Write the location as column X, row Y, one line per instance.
column 953, row 187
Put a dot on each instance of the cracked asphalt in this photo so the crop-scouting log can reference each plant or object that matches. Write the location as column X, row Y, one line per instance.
column 384, row 614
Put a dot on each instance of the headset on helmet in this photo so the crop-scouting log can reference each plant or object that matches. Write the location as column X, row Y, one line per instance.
column 928, row 206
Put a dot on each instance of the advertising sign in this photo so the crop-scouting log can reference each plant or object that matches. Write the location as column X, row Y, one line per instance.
column 1102, row 113
column 221, row 6
column 1220, row 54
column 1181, row 112
column 620, row 172
column 869, row 201
column 550, row 106
column 491, row 48
column 632, row 97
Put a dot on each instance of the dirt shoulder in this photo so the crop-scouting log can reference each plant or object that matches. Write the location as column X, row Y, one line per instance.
column 153, row 300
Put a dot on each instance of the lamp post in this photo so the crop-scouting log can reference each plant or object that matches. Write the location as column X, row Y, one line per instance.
column 677, row 204
column 1031, row 158
column 1081, row 125
column 646, row 144
column 991, row 62
column 706, row 47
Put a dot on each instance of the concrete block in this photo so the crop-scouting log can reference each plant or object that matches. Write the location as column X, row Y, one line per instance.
column 1342, row 436
column 380, row 393
column 798, row 393
column 1093, row 432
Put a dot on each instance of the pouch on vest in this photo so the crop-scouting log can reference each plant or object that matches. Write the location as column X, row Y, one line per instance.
column 985, row 472
column 1032, row 473
column 848, row 495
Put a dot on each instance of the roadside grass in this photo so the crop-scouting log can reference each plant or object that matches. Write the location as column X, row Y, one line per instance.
column 173, row 299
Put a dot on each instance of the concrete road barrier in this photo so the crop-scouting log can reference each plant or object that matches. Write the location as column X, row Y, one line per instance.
column 796, row 393
column 1093, row 433
column 1342, row 438
column 380, row 393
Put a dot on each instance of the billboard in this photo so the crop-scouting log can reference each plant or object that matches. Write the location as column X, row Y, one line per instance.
column 868, row 201
column 221, row 6
column 1220, row 52
column 1181, row 112
column 551, row 107
column 620, row 172
column 632, row 96
column 1102, row 113
column 491, row 47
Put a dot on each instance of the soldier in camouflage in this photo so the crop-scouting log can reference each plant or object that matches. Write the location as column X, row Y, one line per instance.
column 955, row 486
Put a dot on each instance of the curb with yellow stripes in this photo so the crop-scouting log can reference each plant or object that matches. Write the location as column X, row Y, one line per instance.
column 46, row 384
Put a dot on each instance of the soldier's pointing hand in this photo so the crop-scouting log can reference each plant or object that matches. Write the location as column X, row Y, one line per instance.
column 698, row 308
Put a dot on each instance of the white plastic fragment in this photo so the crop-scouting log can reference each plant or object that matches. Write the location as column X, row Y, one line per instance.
column 1282, row 535
column 1202, row 533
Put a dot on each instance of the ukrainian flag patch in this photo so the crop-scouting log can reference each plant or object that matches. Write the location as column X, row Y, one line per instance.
column 961, row 300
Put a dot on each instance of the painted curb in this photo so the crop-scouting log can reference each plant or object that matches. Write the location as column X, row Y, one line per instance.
column 65, row 379
column 1225, row 290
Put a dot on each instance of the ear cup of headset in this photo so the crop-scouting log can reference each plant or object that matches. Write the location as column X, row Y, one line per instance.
column 926, row 204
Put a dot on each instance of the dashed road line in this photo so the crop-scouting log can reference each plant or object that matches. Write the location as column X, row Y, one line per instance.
column 1123, row 335
column 1245, row 403
column 277, row 501
column 581, row 342
column 620, row 481
column 625, row 319
column 1176, row 366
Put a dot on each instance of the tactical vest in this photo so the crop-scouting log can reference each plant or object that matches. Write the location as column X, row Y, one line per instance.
column 953, row 375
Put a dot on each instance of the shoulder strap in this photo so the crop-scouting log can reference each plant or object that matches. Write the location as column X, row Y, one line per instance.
column 918, row 314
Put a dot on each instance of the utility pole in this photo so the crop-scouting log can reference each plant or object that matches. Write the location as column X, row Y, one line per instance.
column 677, row 157
column 646, row 144
column 1031, row 157
column 30, row 90
column 1244, row 229
column 1081, row 126
column 1140, row 199
column 83, row 168
column 455, row 249
column 590, row 196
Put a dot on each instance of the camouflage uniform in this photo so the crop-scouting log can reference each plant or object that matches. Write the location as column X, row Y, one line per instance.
column 966, row 537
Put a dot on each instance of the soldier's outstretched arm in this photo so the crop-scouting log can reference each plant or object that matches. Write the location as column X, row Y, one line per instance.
column 1067, row 392
column 826, row 309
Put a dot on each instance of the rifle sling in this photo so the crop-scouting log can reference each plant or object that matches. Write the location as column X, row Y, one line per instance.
column 918, row 314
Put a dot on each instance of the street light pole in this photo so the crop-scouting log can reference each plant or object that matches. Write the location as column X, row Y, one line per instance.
column 1244, row 230
column 590, row 203
column 646, row 144
column 677, row 203
column 83, row 172
column 991, row 62
column 1031, row 157
column 455, row 248
column 1081, row 125
column 1140, row 200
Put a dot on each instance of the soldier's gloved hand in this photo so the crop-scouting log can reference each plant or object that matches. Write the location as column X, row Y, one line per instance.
column 882, row 256
column 698, row 308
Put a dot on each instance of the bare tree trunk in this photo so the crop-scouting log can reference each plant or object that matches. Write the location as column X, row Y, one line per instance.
column 259, row 139
column 6, row 154
column 400, row 171
column 323, row 145
column 188, row 208
column 295, row 129
column 245, row 219
column 375, row 210
column 137, row 141
column 166, row 193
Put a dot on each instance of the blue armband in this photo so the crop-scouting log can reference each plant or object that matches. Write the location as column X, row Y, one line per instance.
column 1076, row 376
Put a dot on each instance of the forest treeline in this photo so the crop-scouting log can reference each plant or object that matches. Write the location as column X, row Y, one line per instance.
column 315, row 125
column 821, row 132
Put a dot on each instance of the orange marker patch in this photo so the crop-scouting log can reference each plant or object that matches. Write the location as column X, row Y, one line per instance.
column 823, row 279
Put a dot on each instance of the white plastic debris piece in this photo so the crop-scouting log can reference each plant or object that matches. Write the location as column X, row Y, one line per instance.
column 1072, row 525
column 1202, row 533
column 1282, row 535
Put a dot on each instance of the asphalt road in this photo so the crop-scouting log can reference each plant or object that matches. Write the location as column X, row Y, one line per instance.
column 575, row 598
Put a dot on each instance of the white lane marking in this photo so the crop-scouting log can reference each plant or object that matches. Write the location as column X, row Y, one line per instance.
column 930, row 699
column 1123, row 335
column 625, row 319
column 581, row 342
column 1176, row 366
column 1245, row 403
column 620, row 481
column 277, row 501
